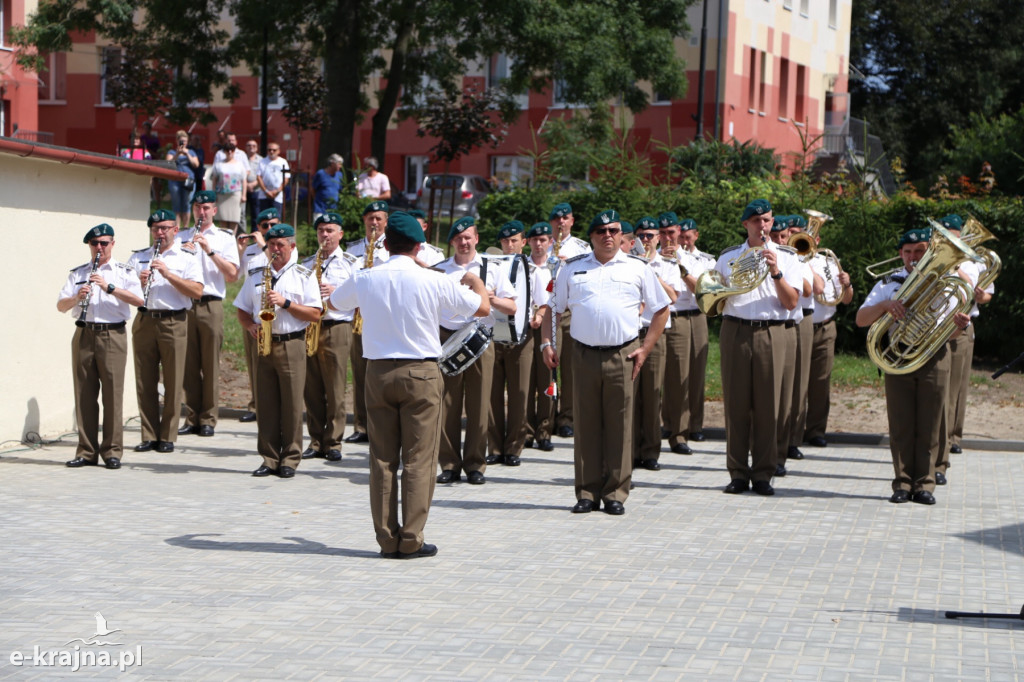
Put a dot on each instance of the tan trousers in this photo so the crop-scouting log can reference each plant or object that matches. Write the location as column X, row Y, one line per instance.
column 540, row 409
column 788, row 339
column 962, row 349
column 801, row 381
column 647, row 404
column 280, row 377
column 513, row 365
column 686, row 360
column 916, row 405
column 99, row 359
column 603, row 449
column 472, row 388
column 820, row 380
column 752, row 358
column 250, row 367
column 565, row 373
column 403, row 402
column 159, row 344
column 202, row 362
column 324, row 394
column 358, row 384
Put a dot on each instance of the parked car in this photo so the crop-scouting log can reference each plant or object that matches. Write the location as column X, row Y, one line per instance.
column 469, row 189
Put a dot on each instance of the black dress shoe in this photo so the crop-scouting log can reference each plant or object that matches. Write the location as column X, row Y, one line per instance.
column 817, row 441
column 956, row 449
column 188, row 430
column 565, row 431
column 447, row 476
column 940, row 478
column 545, row 445
column 425, row 550
column 358, row 437
column 205, row 431
column 113, row 463
column 164, row 446
column 900, row 496
column 494, row 459
column 512, row 460
column 737, row 486
column 682, row 449
column 528, row 443
column 614, row 508
column 333, row 455
column 263, row 471
column 794, row 453
column 922, row 497
column 697, row 436
column 286, row 472
column 390, row 555
column 476, row 478
column 309, row 453
column 145, row 446
column 650, row 464
column 79, row 462
column 584, row 507
column 665, row 433
column 780, row 469
column 763, row 488
column 247, row 417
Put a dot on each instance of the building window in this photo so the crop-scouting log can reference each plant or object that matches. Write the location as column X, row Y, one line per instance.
column 5, row 21
column 787, row 4
column 833, row 12
column 510, row 171
column 804, row 7
column 53, row 81
column 499, row 67
column 763, row 85
column 752, row 84
column 800, row 110
column 416, row 168
column 274, row 99
column 783, row 88
column 661, row 99
column 111, row 60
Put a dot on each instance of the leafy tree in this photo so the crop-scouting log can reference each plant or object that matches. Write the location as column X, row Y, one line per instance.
column 998, row 141
column 302, row 86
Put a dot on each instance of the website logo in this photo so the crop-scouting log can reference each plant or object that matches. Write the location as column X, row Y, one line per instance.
column 83, row 655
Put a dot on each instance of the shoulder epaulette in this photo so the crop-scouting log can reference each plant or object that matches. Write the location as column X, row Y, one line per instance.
column 226, row 231
column 309, row 259
column 380, row 242
column 786, row 248
column 305, row 272
column 144, row 248
column 639, row 258
column 728, row 249
column 254, row 271
column 577, row 239
column 353, row 242
column 431, row 246
column 125, row 266
column 576, row 258
column 349, row 257
column 436, row 269
column 79, row 266
column 893, row 279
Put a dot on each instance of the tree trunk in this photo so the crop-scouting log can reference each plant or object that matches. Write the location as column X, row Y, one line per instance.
column 345, row 47
column 395, row 78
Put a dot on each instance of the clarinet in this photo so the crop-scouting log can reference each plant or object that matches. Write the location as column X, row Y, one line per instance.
column 84, row 303
column 149, row 282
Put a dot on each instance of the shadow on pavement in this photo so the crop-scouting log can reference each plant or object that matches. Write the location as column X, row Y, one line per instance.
column 295, row 546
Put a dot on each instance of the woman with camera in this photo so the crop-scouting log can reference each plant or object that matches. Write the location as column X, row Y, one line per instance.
column 186, row 161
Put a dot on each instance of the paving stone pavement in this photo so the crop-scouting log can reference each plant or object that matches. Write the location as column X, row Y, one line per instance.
column 220, row 576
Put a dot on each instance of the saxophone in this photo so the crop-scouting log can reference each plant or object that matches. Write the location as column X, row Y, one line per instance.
column 267, row 314
column 313, row 330
column 357, row 323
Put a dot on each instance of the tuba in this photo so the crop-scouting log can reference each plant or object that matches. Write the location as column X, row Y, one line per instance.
column 748, row 271
column 975, row 233
column 931, row 297
column 267, row 314
column 804, row 242
column 313, row 330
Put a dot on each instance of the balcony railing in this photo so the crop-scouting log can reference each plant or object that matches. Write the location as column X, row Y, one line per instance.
column 33, row 136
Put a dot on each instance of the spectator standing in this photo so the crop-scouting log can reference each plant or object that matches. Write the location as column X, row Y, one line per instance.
column 186, row 161
column 327, row 185
column 230, row 174
column 272, row 176
column 252, row 205
column 196, row 145
column 373, row 184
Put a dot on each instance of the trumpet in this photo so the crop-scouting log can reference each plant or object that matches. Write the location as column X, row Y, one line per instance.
column 748, row 272
column 313, row 330
column 267, row 313
column 84, row 303
column 149, row 280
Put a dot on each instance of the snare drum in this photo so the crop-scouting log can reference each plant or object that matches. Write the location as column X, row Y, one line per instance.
column 463, row 348
column 513, row 329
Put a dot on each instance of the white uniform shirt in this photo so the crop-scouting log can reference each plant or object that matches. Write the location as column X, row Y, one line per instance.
column 294, row 283
column 104, row 308
column 571, row 247
column 358, row 249
column 162, row 294
column 762, row 303
column 805, row 302
column 605, row 299
column 494, row 279
column 822, row 312
column 696, row 262
column 886, row 289
column 221, row 242
column 430, row 254
column 255, row 257
column 272, row 172
column 403, row 306
column 337, row 267
column 974, row 271
column 540, row 276
column 668, row 273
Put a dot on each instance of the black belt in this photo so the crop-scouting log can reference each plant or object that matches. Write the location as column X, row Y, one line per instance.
column 327, row 324
column 403, row 360
column 206, row 298
column 277, row 338
column 161, row 314
column 808, row 312
column 686, row 313
column 100, row 326
column 759, row 323
column 607, row 348
column 819, row 325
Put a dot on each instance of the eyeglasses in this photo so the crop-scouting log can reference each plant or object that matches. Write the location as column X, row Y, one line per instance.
column 273, row 149
column 610, row 231
column 646, row 235
column 163, row 228
column 100, row 244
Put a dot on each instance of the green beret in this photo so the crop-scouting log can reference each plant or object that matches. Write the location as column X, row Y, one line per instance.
column 646, row 223
column 921, row 234
column 756, row 207
column 668, row 219
column 403, row 224
column 102, row 230
column 280, row 230
column 511, row 228
column 375, row 206
column 797, row 221
column 780, row 223
column 539, row 230
column 604, row 218
column 461, row 225
column 952, row 222
column 160, row 215
column 268, row 214
column 417, row 213
column 330, row 218
column 688, row 224
column 627, row 227
column 204, row 196
column 560, row 211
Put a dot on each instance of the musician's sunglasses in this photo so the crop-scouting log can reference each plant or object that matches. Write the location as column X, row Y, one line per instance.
column 610, row 231
column 100, row 244
column 646, row 235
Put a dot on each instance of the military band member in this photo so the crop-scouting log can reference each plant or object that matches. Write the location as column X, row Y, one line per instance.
column 218, row 254
column 513, row 364
column 540, row 407
column 566, row 246
column 429, row 254
column 753, row 351
column 403, row 304
column 160, row 330
column 472, row 387
column 280, row 375
column 375, row 217
column 915, row 402
column 99, row 294
column 605, row 290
